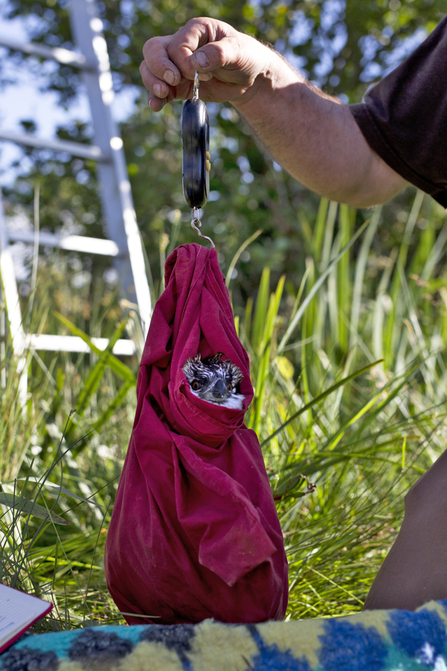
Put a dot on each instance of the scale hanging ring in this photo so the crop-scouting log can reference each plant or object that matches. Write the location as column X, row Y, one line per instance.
column 195, row 89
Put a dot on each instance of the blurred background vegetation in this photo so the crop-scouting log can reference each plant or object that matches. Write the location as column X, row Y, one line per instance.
column 347, row 349
column 343, row 46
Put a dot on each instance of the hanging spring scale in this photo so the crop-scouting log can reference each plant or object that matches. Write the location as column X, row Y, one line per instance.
column 196, row 156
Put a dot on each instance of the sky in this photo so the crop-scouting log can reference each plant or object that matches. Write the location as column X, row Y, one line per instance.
column 23, row 100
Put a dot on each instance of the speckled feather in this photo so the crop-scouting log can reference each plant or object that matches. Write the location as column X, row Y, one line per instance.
column 215, row 380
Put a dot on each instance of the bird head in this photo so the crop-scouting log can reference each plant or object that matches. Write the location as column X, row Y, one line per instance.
column 215, row 380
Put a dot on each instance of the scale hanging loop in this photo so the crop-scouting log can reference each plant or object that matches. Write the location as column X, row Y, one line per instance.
column 195, row 88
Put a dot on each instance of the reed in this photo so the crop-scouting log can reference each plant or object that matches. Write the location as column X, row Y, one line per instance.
column 349, row 373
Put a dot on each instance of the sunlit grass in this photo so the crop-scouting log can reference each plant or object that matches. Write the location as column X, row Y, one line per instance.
column 350, row 407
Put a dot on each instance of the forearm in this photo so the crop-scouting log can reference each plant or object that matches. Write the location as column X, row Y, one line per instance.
column 315, row 138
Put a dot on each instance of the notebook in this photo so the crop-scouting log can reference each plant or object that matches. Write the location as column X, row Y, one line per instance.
column 18, row 611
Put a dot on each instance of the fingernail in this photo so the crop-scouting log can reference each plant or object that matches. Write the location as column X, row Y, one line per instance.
column 202, row 59
column 169, row 77
column 149, row 101
column 157, row 90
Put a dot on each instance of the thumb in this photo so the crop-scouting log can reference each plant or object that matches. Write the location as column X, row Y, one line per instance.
column 234, row 60
column 227, row 52
column 200, row 60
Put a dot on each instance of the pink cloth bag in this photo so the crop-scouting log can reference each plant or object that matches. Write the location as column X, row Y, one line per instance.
column 194, row 532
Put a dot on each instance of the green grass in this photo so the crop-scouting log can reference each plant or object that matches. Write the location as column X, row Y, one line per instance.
column 350, row 407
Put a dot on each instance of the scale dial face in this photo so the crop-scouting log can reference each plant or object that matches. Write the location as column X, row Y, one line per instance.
column 196, row 156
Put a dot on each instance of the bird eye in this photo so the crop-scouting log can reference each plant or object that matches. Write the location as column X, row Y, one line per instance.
column 230, row 386
column 195, row 385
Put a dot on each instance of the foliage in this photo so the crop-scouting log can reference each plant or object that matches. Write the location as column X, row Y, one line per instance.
column 60, row 466
column 345, row 429
column 318, row 32
column 347, row 350
column 336, row 43
column 335, row 413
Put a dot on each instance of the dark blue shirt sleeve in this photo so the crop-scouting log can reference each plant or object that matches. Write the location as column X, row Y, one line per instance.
column 404, row 117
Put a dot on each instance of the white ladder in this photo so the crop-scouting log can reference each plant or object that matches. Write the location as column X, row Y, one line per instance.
column 124, row 242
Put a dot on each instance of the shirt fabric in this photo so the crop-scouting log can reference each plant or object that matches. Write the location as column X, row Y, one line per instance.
column 404, row 117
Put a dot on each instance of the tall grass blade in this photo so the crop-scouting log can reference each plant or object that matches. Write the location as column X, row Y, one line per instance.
column 316, row 288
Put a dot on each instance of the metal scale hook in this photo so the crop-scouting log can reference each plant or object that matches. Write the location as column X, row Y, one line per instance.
column 196, row 156
column 196, row 224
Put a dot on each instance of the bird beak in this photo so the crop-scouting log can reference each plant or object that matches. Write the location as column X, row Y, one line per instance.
column 220, row 389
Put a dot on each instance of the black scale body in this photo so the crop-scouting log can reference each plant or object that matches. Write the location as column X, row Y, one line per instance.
column 196, row 156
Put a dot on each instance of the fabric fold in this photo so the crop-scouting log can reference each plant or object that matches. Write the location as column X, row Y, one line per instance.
column 230, row 539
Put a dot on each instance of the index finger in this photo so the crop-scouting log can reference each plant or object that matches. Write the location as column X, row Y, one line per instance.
column 155, row 52
column 195, row 34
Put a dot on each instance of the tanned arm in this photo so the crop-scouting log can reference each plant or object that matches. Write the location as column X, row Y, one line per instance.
column 313, row 136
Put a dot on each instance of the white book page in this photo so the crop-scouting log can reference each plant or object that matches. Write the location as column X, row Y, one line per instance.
column 17, row 611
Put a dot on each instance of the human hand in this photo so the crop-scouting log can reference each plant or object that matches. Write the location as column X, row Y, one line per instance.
column 228, row 63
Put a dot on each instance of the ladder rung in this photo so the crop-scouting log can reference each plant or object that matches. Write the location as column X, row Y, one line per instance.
column 75, row 243
column 64, row 56
column 73, row 148
column 55, row 343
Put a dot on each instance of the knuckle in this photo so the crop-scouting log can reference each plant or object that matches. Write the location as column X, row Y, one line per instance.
column 147, row 46
column 217, row 53
column 152, row 44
